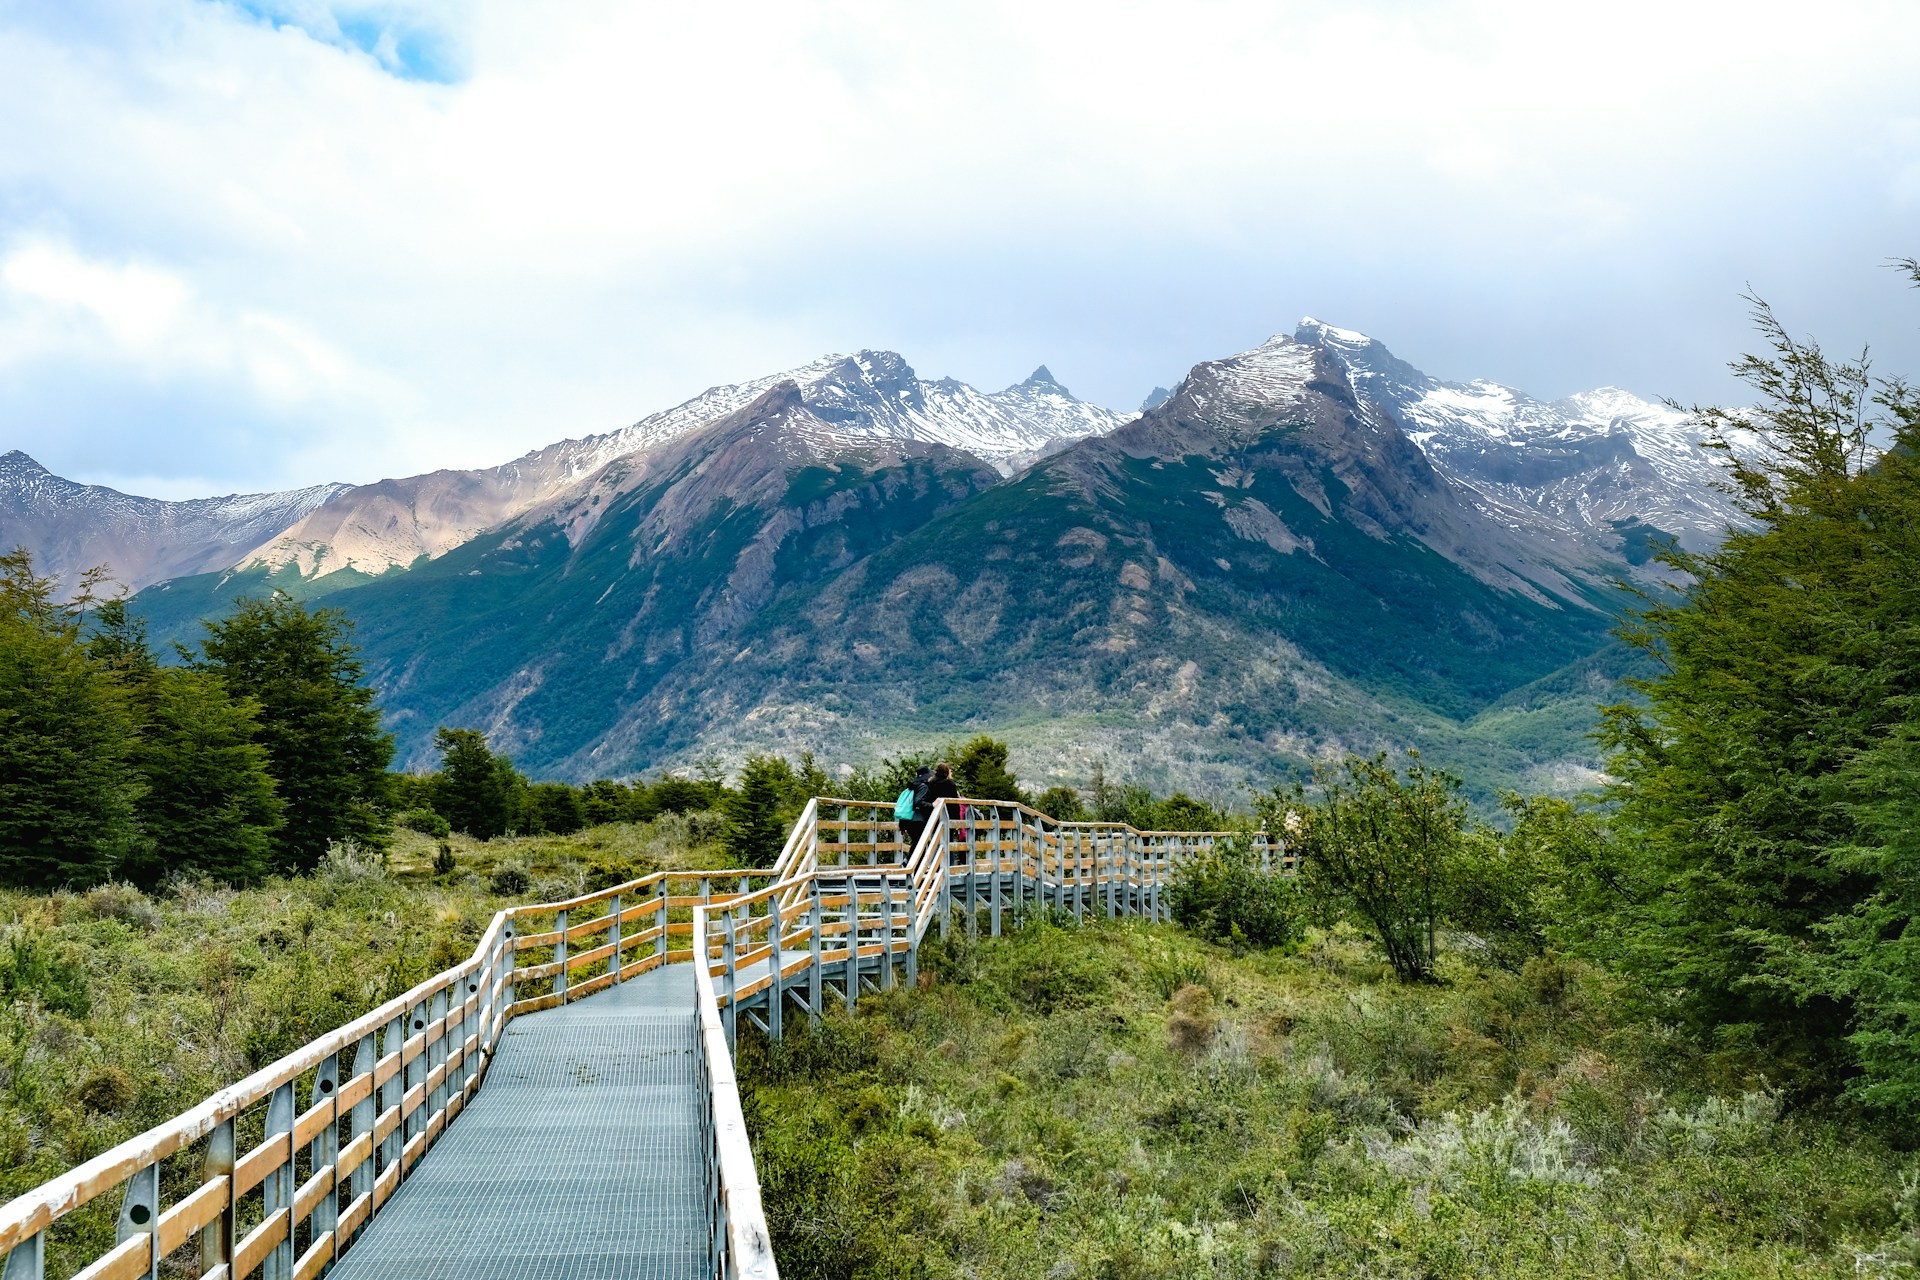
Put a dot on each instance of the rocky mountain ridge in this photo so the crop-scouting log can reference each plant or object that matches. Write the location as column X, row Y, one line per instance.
column 1301, row 549
column 71, row 527
column 1583, row 467
column 372, row 529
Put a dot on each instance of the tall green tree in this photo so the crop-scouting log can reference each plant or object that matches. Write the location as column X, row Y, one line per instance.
column 475, row 790
column 318, row 722
column 1763, row 797
column 210, row 805
column 980, row 769
column 553, row 808
column 754, row 833
column 68, row 788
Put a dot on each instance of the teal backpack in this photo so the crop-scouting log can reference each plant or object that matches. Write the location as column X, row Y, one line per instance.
column 903, row 807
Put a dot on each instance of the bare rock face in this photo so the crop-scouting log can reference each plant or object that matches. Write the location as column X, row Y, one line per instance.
column 73, row 527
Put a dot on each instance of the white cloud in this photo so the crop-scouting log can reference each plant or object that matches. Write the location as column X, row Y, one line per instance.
column 359, row 271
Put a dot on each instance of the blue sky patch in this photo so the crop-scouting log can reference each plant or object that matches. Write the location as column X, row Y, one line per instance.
column 402, row 43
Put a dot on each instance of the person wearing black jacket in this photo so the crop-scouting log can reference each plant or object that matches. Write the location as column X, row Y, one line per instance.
column 940, row 787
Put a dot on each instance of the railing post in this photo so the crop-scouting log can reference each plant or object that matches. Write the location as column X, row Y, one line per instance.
column 277, row 1192
column 660, row 922
column 139, row 1215
column 411, row 1074
column 438, row 1010
column 472, row 1025
column 324, row 1150
column 1080, row 872
column 217, row 1237
column 560, row 958
column 945, row 849
column 886, row 934
column 613, row 936
column 906, row 932
column 28, row 1260
column 360, row 1121
column 727, row 954
column 852, row 983
column 393, row 1093
column 507, row 963
column 993, row 889
column 776, row 994
column 815, row 977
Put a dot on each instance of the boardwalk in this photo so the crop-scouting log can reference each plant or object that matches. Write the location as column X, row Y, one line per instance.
column 608, row 1140
column 580, row 1160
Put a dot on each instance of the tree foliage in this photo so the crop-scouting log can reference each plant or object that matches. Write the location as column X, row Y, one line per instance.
column 1381, row 848
column 1226, row 895
column 474, row 790
column 68, row 787
column 318, row 721
column 1765, row 791
column 754, row 832
column 210, row 807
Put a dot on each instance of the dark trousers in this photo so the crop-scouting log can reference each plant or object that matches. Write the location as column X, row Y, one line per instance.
column 910, row 831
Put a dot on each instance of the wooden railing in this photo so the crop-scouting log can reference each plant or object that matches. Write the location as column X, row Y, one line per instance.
column 846, row 901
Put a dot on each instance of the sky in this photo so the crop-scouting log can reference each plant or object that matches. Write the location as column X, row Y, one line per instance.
column 259, row 244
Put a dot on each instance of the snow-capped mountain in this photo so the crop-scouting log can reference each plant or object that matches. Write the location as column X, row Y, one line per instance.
column 72, row 527
column 873, row 395
column 877, row 394
column 1585, row 465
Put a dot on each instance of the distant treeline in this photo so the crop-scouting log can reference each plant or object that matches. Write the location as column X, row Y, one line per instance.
column 479, row 793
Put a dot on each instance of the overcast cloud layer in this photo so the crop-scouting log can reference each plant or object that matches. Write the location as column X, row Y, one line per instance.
column 265, row 244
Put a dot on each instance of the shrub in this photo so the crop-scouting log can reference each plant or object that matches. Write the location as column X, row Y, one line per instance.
column 106, row 1091
column 509, row 882
column 1381, row 848
column 34, row 967
column 1224, row 895
column 1191, row 1024
column 425, row 821
column 443, row 863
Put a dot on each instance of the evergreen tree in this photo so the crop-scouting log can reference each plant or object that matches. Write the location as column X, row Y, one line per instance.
column 554, row 808
column 1764, row 806
column 67, row 785
column 755, row 834
column 1063, row 803
column 980, row 769
column 325, row 750
column 475, row 790
column 210, row 804
column 604, row 800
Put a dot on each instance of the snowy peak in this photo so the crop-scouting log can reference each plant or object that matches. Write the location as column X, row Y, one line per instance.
column 71, row 527
column 869, row 395
column 1579, row 466
column 878, row 394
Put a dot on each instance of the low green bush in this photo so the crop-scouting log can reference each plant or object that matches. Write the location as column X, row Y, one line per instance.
column 425, row 821
column 1225, row 896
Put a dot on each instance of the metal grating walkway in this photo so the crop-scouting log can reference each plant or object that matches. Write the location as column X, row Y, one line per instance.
column 579, row 1160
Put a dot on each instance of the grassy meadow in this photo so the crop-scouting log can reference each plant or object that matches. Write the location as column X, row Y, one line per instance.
column 1124, row 1100
column 119, row 1010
